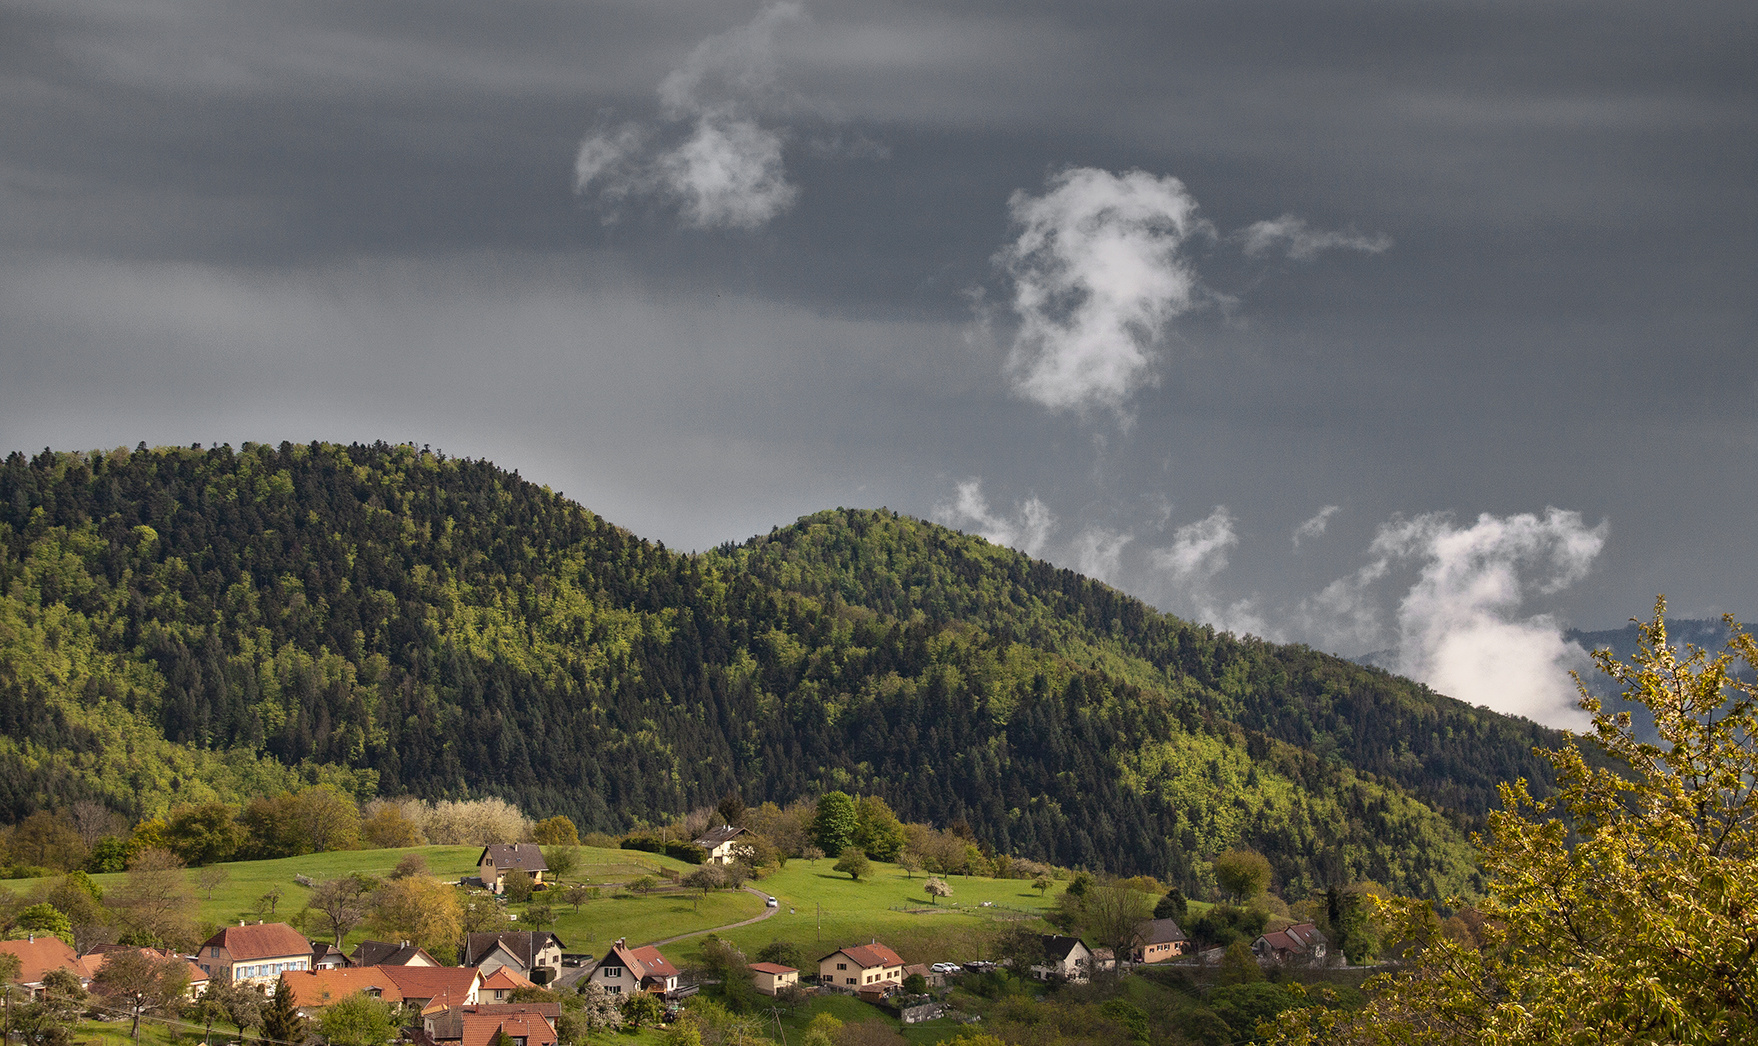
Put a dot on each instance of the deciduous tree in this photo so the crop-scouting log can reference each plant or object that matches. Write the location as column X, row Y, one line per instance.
column 1242, row 874
column 156, row 900
column 339, row 905
column 422, row 911
column 555, row 831
column 854, row 862
column 1622, row 910
column 140, row 985
column 358, row 1020
column 834, row 827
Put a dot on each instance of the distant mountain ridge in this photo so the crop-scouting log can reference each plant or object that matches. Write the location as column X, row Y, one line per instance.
column 185, row 624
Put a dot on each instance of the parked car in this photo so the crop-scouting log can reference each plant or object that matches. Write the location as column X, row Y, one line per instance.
column 771, row 903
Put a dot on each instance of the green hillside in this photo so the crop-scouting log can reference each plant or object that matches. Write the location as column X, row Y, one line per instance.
column 184, row 624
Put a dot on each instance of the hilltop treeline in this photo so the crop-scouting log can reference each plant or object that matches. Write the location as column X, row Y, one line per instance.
column 180, row 626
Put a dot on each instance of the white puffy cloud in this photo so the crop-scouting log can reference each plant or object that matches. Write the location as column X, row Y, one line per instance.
column 1199, row 550
column 1460, row 628
column 1098, row 552
column 1098, row 271
column 711, row 157
column 1302, row 242
column 1027, row 529
column 1315, row 527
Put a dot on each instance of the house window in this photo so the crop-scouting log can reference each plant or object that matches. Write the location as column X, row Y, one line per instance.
column 615, row 989
column 842, row 965
column 214, row 952
column 613, row 971
column 849, row 980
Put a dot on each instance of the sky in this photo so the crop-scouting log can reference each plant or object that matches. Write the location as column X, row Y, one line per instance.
column 1425, row 329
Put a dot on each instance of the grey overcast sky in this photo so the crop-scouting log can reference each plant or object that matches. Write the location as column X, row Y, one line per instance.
column 1423, row 327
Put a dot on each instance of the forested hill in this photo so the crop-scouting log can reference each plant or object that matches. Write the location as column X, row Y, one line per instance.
column 182, row 624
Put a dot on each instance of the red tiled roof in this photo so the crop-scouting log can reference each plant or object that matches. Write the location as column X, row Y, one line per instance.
column 262, row 941
column 870, row 956
column 315, row 989
column 450, row 984
column 772, row 968
column 448, row 1024
column 37, row 957
column 505, row 978
column 479, row 1028
column 95, row 959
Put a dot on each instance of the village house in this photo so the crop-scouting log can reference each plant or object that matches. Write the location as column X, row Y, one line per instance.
column 40, row 953
column 500, row 858
column 1157, row 940
column 526, row 1024
column 1065, row 959
column 772, row 978
column 314, row 989
column 500, row 985
column 861, row 966
column 326, row 956
column 384, row 953
column 258, row 954
column 435, row 987
column 536, row 954
column 720, row 844
column 625, row 970
column 1299, row 945
column 198, row 978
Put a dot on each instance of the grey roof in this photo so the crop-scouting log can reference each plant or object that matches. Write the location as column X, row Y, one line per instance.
column 384, row 953
column 1160, row 931
column 715, row 836
column 523, row 944
column 528, row 856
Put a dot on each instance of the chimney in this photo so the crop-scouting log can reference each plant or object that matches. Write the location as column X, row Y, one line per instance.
column 30, row 938
column 622, row 942
column 241, row 922
column 259, row 922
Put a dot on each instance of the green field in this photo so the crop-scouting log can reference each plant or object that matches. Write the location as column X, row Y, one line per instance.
column 822, row 910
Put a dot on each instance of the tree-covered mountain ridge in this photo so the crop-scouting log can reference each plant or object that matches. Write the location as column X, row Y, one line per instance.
column 178, row 625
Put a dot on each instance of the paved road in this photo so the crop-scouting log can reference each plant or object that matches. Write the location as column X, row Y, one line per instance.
column 767, row 912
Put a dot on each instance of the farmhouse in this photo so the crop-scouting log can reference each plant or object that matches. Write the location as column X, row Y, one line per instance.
column 1300, row 944
column 314, row 989
column 1157, row 940
column 256, row 954
column 861, row 966
column 625, row 970
column 720, row 845
column 37, row 955
column 198, row 978
column 435, row 987
column 1065, row 959
column 499, row 859
column 536, row 954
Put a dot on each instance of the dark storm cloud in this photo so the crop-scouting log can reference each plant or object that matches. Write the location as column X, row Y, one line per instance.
column 332, row 220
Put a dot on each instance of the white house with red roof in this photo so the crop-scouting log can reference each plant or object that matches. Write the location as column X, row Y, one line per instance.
column 259, row 954
column 625, row 970
column 861, row 966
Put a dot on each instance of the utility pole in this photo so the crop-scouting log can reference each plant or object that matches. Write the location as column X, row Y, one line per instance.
column 820, row 924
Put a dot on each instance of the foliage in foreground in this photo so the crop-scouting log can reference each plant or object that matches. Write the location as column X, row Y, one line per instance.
column 1625, row 910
